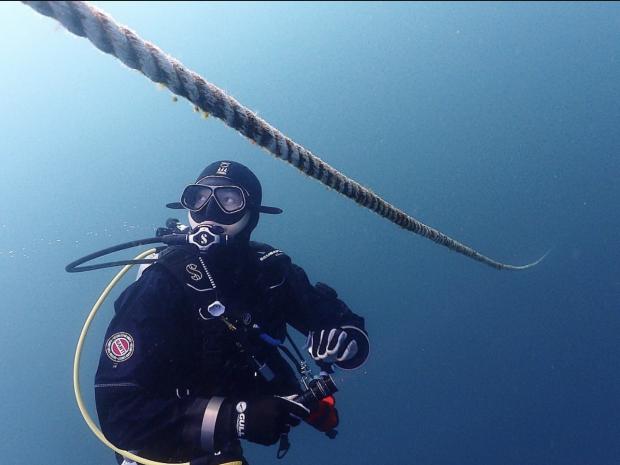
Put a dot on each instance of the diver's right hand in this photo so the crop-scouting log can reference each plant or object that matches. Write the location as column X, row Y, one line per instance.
column 263, row 419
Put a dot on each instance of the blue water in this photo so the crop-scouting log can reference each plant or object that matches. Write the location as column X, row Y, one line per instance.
column 496, row 123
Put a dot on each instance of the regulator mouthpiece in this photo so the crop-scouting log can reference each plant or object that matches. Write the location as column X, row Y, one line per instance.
column 204, row 237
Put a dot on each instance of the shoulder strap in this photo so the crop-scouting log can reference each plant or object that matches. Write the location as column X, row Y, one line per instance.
column 188, row 267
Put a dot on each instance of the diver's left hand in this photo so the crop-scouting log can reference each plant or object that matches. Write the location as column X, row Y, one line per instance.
column 331, row 345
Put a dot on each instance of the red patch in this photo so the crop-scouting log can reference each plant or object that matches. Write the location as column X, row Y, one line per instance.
column 119, row 347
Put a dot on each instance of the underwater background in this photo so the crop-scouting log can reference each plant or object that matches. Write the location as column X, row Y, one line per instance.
column 496, row 123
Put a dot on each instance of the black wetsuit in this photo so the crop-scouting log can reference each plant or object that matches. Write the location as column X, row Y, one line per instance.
column 165, row 356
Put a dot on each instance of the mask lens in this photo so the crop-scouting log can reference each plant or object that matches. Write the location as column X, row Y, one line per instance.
column 231, row 199
column 195, row 197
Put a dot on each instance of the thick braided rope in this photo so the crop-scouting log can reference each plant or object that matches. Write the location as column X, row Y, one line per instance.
column 85, row 20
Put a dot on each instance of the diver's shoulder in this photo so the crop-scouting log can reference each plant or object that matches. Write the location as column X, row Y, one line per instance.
column 175, row 253
column 165, row 268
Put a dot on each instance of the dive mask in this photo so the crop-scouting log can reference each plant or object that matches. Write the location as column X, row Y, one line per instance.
column 230, row 199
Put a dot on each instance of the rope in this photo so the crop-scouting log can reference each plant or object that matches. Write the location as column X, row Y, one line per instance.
column 84, row 20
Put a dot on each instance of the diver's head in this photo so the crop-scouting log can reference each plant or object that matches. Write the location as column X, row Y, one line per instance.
column 228, row 195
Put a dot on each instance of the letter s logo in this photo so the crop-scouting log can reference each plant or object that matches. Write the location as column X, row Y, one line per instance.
column 192, row 269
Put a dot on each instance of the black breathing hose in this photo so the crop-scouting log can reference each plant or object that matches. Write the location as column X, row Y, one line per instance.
column 74, row 267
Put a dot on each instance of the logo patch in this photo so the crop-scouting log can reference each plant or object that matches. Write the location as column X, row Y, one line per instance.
column 223, row 168
column 275, row 252
column 241, row 406
column 192, row 269
column 119, row 347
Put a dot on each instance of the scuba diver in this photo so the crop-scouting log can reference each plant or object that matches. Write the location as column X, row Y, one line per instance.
column 192, row 362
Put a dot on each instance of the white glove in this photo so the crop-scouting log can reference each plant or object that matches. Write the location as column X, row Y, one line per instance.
column 331, row 345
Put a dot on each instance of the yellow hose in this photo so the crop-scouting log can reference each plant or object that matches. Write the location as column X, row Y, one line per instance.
column 76, row 372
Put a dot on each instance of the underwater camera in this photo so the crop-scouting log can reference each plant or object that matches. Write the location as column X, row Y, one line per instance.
column 316, row 390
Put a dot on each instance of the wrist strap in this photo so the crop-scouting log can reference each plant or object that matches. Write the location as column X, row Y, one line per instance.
column 207, row 432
